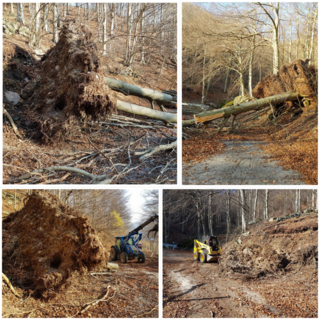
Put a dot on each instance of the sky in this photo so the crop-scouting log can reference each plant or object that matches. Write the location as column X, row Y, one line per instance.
column 136, row 203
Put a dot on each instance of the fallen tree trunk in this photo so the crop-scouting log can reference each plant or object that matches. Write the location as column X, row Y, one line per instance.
column 130, row 89
column 192, row 108
column 244, row 107
column 150, row 113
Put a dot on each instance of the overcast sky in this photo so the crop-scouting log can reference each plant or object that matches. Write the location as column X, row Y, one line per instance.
column 136, row 203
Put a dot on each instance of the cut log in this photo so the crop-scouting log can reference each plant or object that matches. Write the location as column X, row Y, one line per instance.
column 130, row 89
column 142, row 111
column 244, row 107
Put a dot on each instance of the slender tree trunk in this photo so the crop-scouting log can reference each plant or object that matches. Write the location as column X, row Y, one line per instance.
column 290, row 41
column 55, row 23
column 228, row 213
column 255, row 207
column 11, row 8
column 203, row 76
column 298, row 208
column 266, row 212
column 37, row 13
column 312, row 199
column 104, row 32
column 68, row 8
column 251, row 64
column 243, row 219
column 129, row 31
column 225, row 87
column 210, row 216
column 88, row 11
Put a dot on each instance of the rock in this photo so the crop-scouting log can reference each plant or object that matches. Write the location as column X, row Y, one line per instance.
column 10, row 27
column 24, row 31
column 245, row 234
column 307, row 210
column 272, row 219
column 239, row 241
column 11, row 97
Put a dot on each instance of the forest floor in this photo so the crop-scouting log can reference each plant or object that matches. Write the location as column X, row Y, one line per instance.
column 121, row 135
column 200, row 290
column 133, row 293
column 256, row 152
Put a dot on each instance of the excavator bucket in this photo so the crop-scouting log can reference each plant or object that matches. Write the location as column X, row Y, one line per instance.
column 155, row 229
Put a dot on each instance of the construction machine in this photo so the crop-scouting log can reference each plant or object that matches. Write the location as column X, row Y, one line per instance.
column 207, row 250
column 128, row 247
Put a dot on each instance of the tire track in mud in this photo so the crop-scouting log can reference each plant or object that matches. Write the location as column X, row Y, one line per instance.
column 242, row 163
column 196, row 290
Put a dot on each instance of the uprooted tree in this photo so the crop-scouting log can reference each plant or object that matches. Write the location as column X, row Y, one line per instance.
column 71, row 87
column 46, row 242
column 295, row 82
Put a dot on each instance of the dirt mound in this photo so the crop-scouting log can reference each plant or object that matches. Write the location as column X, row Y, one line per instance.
column 71, row 86
column 298, row 76
column 278, row 247
column 46, row 242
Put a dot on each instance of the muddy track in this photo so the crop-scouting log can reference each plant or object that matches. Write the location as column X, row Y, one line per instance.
column 243, row 163
column 195, row 290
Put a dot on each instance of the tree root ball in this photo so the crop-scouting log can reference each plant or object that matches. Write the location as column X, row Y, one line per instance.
column 46, row 242
column 297, row 76
column 71, row 86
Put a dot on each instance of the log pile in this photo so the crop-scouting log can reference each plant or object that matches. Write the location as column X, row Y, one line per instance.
column 46, row 242
column 71, row 86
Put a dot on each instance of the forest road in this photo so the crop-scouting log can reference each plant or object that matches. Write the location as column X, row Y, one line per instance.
column 243, row 163
column 192, row 289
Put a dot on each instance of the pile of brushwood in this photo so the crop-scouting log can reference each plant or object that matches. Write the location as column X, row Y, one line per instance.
column 71, row 87
column 276, row 248
column 46, row 242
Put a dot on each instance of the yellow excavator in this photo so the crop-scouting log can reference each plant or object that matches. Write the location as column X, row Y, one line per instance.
column 207, row 250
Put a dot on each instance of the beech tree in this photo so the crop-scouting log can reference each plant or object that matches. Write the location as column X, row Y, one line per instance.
column 225, row 212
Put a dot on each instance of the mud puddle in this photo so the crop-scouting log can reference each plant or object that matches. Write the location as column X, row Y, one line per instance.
column 242, row 163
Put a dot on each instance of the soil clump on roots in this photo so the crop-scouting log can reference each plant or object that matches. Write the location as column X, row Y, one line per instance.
column 277, row 248
column 46, row 242
column 71, row 87
column 298, row 76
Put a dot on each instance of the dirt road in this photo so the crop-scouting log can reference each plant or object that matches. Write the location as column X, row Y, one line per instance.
column 242, row 163
column 133, row 292
column 195, row 290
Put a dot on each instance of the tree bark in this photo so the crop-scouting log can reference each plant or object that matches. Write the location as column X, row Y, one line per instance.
column 266, row 213
column 228, row 213
column 255, row 207
column 154, row 114
column 244, row 107
column 243, row 219
column 150, row 94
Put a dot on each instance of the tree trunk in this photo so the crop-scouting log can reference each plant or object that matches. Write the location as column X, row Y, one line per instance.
column 275, row 40
column 255, row 207
column 298, row 207
column 243, row 219
column 244, row 107
column 266, row 212
column 150, row 113
column 150, row 94
column 104, row 31
column 226, row 81
column 210, row 216
column 312, row 199
column 203, row 77
column 55, row 23
column 37, row 13
column 251, row 65
column 228, row 213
